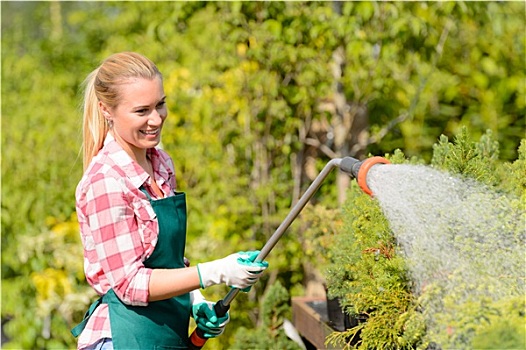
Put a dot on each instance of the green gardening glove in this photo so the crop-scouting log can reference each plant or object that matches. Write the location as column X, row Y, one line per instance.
column 236, row 270
column 206, row 319
column 248, row 258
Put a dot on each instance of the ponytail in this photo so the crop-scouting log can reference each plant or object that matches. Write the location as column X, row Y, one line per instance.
column 94, row 126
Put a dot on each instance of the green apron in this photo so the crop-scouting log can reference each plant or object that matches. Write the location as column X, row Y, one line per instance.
column 162, row 324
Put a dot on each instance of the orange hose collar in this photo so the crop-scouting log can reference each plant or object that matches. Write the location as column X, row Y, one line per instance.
column 364, row 169
column 197, row 341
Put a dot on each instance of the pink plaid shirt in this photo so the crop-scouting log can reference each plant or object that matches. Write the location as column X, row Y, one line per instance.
column 119, row 228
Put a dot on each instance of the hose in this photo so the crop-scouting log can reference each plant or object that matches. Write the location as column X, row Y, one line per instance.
column 353, row 167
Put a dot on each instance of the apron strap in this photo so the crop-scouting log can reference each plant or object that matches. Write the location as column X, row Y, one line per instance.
column 143, row 190
column 80, row 327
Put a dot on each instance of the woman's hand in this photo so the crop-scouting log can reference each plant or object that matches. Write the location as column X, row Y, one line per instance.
column 237, row 270
column 205, row 316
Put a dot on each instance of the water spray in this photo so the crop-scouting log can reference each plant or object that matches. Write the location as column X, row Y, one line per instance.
column 351, row 166
column 462, row 243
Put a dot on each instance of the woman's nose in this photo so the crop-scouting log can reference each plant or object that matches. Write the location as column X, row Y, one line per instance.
column 156, row 118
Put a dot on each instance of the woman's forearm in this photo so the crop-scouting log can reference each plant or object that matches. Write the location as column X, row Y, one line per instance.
column 167, row 283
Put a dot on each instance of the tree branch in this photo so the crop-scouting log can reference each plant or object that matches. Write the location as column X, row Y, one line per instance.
column 320, row 146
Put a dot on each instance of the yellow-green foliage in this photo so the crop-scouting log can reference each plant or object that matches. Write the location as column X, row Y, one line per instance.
column 57, row 286
column 504, row 328
column 269, row 334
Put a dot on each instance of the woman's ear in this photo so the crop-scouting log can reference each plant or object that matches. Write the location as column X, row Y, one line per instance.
column 105, row 111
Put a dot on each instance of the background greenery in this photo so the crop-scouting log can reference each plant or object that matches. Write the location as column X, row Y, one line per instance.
column 261, row 96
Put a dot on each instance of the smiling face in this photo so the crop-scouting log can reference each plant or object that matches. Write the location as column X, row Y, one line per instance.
column 138, row 118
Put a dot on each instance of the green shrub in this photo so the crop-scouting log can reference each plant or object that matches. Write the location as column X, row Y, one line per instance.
column 269, row 334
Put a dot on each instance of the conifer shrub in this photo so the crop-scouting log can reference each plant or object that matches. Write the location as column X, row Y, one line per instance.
column 370, row 277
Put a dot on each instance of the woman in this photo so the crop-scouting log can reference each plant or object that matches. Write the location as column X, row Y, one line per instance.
column 133, row 222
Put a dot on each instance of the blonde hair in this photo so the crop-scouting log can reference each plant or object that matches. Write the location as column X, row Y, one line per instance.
column 102, row 85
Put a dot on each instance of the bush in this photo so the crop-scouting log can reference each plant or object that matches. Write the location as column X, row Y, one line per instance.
column 269, row 334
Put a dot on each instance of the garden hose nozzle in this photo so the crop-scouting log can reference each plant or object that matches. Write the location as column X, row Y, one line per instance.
column 359, row 169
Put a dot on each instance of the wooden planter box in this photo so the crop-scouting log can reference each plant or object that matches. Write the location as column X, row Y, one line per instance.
column 310, row 317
